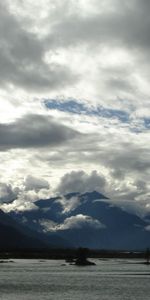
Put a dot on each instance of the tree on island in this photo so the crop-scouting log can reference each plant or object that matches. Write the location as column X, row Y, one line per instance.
column 147, row 256
column 82, row 255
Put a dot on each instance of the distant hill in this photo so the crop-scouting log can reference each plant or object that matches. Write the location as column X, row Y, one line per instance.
column 87, row 220
column 13, row 237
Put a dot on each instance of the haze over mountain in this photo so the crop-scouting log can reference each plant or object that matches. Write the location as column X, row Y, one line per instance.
column 88, row 220
column 14, row 236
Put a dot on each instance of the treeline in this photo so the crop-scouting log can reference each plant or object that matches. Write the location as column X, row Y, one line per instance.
column 67, row 254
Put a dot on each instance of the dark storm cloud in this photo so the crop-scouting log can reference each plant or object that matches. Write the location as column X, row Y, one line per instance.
column 129, row 159
column 22, row 53
column 22, row 58
column 128, row 25
column 122, row 160
column 34, row 131
column 123, row 155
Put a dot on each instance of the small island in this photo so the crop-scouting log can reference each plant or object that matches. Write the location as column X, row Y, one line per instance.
column 147, row 257
column 81, row 259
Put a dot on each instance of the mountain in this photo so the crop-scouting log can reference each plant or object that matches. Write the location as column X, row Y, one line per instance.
column 87, row 220
column 13, row 237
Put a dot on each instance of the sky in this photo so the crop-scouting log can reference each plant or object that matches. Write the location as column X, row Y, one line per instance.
column 74, row 100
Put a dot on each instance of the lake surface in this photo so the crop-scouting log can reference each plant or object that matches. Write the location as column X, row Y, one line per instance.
column 50, row 279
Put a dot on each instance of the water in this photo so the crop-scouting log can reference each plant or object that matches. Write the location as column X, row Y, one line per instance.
column 46, row 280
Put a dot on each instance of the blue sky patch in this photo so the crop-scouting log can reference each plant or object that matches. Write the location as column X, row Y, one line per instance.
column 147, row 123
column 75, row 107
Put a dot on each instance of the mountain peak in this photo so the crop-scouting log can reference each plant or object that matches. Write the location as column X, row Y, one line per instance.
column 94, row 195
column 70, row 195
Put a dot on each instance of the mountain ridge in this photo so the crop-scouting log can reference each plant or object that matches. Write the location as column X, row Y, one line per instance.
column 87, row 220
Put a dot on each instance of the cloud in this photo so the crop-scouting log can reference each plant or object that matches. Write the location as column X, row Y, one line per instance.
column 123, row 25
column 22, row 61
column 147, row 228
column 34, row 183
column 33, row 131
column 81, row 182
column 19, row 205
column 78, row 222
column 69, row 204
column 7, row 193
column 22, row 198
column 88, row 61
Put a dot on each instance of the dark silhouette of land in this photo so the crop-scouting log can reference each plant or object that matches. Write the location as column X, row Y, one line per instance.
column 147, row 256
column 118, row 230
column 70, row 255
column 82, row 255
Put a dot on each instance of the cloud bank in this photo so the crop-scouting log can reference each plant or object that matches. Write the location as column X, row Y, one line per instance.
column 74, row 99
column 78, row 222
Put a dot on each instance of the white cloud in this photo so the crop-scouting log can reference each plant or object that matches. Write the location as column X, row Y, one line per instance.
column 22, row 198
column 7, row 193
column 19, row 206
column 147, row 228
column 78, row 222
